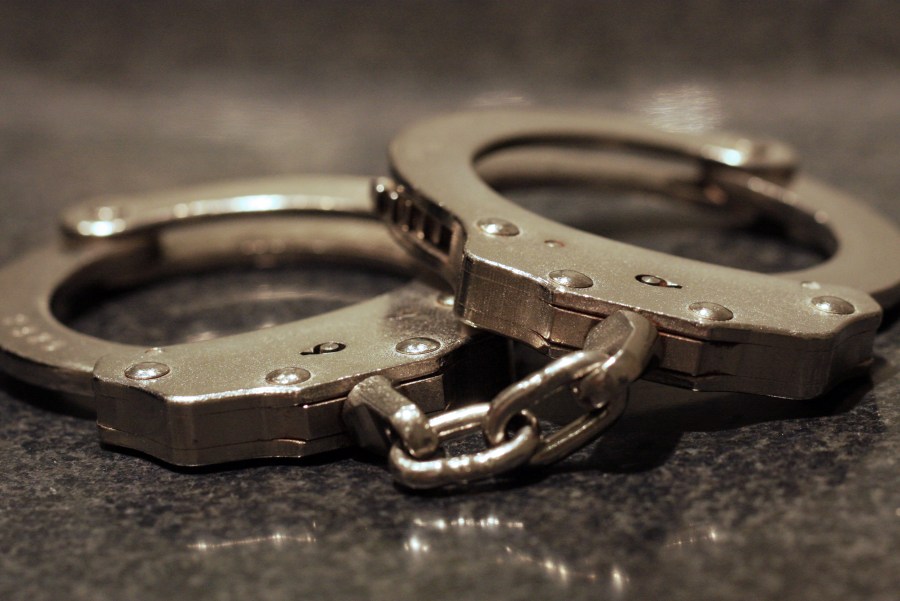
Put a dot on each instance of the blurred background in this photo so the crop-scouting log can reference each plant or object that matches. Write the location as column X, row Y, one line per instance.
column 725, row 497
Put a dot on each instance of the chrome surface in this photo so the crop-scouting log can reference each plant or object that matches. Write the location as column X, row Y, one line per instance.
column 443, row 471
column 273, row 392
column 374, row 409
column 618, row 351
column 507, row 284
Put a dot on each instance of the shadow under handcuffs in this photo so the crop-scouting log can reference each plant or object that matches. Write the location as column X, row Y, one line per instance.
column 657, row 417
column 653, row 424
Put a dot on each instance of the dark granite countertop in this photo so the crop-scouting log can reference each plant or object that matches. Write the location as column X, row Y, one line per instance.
column 687, row 497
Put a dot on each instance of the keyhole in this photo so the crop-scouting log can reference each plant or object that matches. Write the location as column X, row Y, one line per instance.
column 655, row 280
column 325, row 347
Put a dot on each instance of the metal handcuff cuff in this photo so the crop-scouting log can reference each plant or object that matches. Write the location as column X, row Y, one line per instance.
column 275, row 392
column 604, row 308
column 608, row 308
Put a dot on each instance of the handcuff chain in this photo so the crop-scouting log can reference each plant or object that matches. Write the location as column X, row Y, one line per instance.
column 617, row 351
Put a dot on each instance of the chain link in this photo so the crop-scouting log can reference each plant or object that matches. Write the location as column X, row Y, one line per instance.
column 617, row 351
column 507, row 455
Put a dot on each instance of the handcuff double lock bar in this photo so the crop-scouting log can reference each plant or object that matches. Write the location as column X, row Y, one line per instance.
column 395, row 373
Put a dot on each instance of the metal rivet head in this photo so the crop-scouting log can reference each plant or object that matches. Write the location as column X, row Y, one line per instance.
column 757, row 149
column 384, row 185
column 287, row 376
column 495, row 226
column 811, row 285
column 833, row 305
column 418, row 346
column 105, row 213
column 711, row 311
column 445, row 300
column 571, row 278
column 147, row 370
column 554, row 243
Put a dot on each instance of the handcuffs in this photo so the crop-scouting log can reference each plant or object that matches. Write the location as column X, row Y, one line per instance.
column 398, row 373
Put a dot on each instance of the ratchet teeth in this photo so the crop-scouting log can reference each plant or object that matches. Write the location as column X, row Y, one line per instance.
column 411, row 218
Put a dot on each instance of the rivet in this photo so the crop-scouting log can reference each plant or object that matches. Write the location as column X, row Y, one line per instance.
column 418, row 346
column 105, row 213
column 147, row 370
column 554, row 243
column 446, row 300
column 811, row 285
column 711, row 311
column 383, row 185
column 757, row 149
column 287, row 376
column 495, row 226
column 832, row 304
column 181, row 210
column 571, row 278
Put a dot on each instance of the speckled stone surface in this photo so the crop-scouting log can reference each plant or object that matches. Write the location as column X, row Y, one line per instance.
column 688, row 497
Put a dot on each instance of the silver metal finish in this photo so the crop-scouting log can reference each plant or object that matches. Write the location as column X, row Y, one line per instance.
column 655, row 280
column 446, row 299
column 374, row 372
column 571, row 278
column 498, row 227
column 147, row 370
column 711, row 311
column 617, row 353
column 288, row 376
column 833, row 305
column 418, row 346
column 119, row 215
column 630, row 342
column 861, row 243
column 273, row 392
column 330, row 347
column 443, row 471
column 775, row 342
column 374, row 409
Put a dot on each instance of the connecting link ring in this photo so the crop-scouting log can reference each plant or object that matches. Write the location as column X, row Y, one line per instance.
column 617, row 352
column 442, row 471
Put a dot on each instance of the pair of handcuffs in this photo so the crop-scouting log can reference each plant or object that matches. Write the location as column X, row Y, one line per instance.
column 398, row 373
